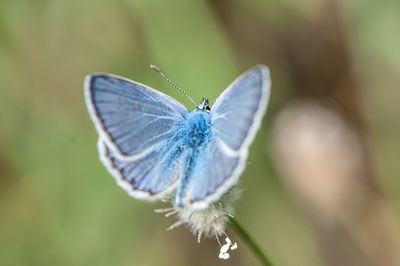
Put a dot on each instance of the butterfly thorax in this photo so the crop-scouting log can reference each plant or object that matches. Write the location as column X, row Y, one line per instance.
column 197, row 128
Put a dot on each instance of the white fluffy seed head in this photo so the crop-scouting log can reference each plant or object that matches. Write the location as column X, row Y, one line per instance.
column 212, row 220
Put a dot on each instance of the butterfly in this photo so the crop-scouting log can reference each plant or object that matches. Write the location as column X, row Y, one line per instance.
column 154, row 146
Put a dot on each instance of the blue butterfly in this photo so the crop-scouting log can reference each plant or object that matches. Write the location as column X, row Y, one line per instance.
column 153, row 146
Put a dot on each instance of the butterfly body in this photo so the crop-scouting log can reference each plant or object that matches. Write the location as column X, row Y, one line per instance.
column 153, row 146
column 195, row 138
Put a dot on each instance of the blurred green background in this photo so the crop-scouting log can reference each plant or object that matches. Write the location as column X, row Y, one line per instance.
column 58, row 204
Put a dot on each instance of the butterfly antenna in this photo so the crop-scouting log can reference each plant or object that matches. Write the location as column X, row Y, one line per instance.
column 172, row 83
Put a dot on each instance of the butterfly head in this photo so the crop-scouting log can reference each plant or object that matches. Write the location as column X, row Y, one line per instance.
column 204, row 105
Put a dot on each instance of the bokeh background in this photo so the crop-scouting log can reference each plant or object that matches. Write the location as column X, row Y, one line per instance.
column 322, row 184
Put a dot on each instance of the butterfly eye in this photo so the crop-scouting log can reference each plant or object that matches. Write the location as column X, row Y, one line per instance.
column 204, row 105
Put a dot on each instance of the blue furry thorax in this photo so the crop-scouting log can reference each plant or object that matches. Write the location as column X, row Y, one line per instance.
column 195, row 130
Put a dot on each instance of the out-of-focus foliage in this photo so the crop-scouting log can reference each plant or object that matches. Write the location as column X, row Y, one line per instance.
column 59, row 206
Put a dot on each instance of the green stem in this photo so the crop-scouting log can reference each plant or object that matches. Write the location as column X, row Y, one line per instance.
column 251, row 242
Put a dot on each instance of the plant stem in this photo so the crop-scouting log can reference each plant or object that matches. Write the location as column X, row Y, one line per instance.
column 251, row 242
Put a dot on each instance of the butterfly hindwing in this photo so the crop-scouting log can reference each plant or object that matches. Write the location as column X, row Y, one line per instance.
column 209, row 181
column 130, row 117
column 148, row 177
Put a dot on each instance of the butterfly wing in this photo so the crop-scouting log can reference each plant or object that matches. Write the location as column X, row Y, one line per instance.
column 135, row 124
column 130, row 117
column 237, row 113
column 236, row 116
column 149, row 177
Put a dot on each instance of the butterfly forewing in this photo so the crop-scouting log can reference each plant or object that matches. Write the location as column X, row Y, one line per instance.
column 130, row 117
column 237, row 113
